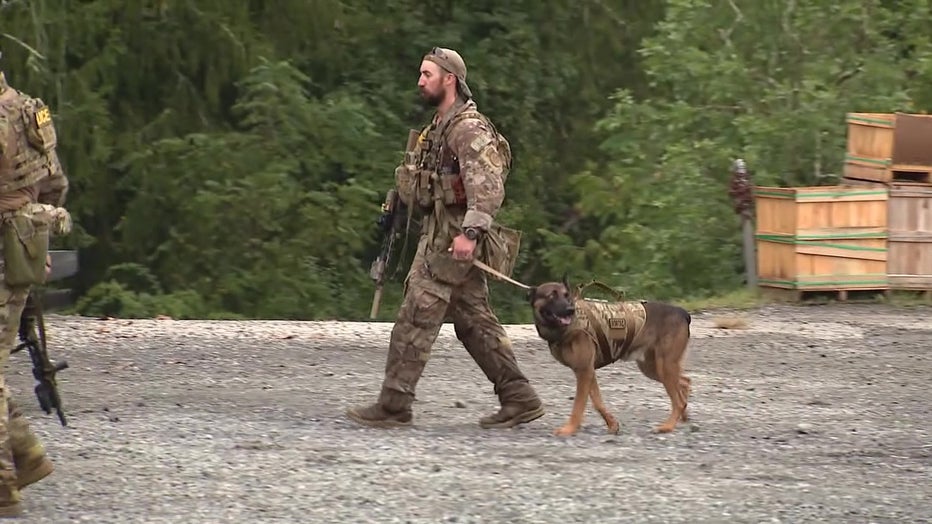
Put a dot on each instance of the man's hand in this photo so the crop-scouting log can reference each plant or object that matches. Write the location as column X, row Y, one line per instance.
column 48, row 264
column 463, row 247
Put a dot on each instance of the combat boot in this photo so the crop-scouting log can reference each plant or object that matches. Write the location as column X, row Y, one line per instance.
column 10, row 502
column 512, row 414
column 32, row 465
column 488, row 345
column 391, row 410
column 10, row 497
column 375, row 415
column 408, row 351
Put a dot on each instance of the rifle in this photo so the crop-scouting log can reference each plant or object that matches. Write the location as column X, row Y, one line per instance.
column 32, row 332
column 389, row 223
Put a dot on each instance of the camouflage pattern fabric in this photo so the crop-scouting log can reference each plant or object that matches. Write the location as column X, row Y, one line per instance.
column 456, row 177
column 12, row 302
column 611, row 326
column 32, row 183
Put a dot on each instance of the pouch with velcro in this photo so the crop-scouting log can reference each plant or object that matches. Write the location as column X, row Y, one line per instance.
column 25, row 247
column 500, row 247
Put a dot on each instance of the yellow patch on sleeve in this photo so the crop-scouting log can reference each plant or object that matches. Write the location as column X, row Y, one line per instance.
column 43, row 117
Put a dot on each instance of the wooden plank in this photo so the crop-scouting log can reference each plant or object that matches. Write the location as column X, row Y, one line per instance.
column 910, row 281
column 841, row 251
column 910, row 236
column 917, row 168
column 840, row 233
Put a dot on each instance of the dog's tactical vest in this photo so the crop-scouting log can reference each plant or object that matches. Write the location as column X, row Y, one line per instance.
column 612, row 327
column 29, row 140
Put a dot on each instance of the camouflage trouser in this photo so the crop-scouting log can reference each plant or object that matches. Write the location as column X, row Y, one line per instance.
column 427, row 305
column 15, row 435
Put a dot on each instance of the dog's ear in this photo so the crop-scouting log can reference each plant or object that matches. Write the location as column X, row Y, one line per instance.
column 566, row 283
column 531, row 293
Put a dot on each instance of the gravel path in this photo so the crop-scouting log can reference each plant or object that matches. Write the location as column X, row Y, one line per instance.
column 812, row 414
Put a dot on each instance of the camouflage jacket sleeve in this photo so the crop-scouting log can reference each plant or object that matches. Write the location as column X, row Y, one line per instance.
column 53, row 189
column 481, row 168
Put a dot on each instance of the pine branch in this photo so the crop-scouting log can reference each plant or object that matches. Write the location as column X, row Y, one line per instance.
column 32, row 51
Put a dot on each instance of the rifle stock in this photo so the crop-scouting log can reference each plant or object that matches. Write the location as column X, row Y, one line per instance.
column 389, row 222
column 32, row 333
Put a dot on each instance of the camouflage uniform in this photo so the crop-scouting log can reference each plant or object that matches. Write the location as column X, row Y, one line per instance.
column 456, row 177
column 32, row 186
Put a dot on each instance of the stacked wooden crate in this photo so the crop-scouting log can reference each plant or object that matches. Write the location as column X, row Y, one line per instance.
column 893, row 151
column 824, row 238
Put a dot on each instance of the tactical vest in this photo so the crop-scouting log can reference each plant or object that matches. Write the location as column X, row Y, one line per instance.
column 439, row 179
column 28, row 140
column 611, row 326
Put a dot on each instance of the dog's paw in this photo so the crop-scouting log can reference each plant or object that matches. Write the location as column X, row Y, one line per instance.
column 614, row 427
column 565, row 431
column 664, row 428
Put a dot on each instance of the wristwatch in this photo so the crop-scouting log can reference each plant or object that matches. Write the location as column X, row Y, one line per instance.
column 471, row 233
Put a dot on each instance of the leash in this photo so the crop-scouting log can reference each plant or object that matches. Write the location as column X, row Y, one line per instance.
column 619, row 295
column 485, row 267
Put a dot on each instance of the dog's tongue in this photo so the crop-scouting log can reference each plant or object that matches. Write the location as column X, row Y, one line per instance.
column 565, row 321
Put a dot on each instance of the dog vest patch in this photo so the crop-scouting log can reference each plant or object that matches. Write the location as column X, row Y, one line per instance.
column 614, row 326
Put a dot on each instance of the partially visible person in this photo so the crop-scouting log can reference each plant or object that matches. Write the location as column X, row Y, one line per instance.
column 456, row 176
column 33, row 188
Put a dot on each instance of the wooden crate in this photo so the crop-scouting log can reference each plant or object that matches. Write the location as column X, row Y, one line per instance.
column 909, row 233
column 885, row 147
column 909, row 264
column 822, row 238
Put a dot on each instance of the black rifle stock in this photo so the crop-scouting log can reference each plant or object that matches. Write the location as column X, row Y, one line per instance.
column 389, row 223
column 32, row 332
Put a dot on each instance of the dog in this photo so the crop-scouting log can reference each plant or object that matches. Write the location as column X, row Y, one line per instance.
column 586, row 334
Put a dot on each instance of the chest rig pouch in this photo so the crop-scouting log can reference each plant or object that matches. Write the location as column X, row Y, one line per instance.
column 438, row 172
column 418, row 163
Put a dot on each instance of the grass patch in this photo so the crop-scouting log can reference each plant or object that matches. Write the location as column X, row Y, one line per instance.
column 907, row 298
column 743, row 298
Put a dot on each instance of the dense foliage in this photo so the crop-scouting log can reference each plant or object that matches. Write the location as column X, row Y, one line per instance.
column 229, row 158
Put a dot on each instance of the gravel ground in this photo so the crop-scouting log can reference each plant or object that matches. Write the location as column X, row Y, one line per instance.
column 812, row 414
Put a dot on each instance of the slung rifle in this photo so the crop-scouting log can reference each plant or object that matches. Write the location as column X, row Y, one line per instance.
column 32, row 331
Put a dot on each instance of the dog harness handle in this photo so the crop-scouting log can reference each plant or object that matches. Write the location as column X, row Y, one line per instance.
column 619, row 295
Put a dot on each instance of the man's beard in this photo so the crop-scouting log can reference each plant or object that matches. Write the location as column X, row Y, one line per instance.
column 432, row 99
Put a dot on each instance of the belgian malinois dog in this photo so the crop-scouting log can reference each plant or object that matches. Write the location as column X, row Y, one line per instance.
column 586, row 334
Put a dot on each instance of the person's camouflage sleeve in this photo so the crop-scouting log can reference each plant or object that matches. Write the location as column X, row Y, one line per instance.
column 481, row 168
column 4, row 133
column 53, row 189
